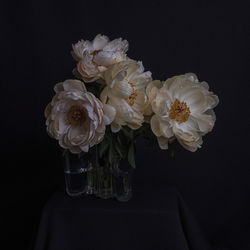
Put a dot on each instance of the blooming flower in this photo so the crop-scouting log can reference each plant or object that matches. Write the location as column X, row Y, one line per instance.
column 126, row 91
column 183, row 108
column 95, row 57
column 76, row 117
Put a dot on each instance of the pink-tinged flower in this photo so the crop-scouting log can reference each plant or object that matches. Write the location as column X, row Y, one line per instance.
column 94, row 57
column 76, row 118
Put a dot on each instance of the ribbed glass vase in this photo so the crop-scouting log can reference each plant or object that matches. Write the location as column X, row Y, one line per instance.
column 86, row 175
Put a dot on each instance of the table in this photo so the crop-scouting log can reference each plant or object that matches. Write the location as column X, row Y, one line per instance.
column 155, row 221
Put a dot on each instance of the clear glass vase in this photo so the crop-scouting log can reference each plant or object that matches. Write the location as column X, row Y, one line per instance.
column 85, row 175
column 75, row 172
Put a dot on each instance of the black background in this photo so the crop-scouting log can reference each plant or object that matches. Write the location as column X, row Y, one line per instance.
column 209, row 38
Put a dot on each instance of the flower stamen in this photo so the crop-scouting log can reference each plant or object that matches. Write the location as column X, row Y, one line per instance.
column 131, row 99
column 76, row 115
column 95, row 52
column 179, row 111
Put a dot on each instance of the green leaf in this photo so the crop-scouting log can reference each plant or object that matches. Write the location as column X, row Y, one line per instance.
column 171, row 149
column 122, row 139
column 121, row 148
column 127, row 133
column 131, row 155
column 112, row 153
column 118, row 149
column 103, row 147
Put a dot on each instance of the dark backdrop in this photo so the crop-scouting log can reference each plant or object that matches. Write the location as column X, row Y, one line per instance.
column 210, row 38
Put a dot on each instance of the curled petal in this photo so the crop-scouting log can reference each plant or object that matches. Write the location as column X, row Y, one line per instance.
column 109, row 113
column 69, row 85
column 115, row 127
column 163, row 142
column 100, row 41
column 155, row 126
column 117, row 45
column 121, row 89
column 85, row 148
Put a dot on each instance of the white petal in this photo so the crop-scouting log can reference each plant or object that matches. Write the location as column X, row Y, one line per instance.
column 138, row 119
column 155, row 126
column 84, row 148
column 77, row 135
column 161, row 103
column 192, row 77
column 113, row 71
column 142, row 80
column 104, row 95
column 70, row 85
column 163, row 142
column 87, row 69
column 152, row 94
column 109, row 113
column 117, row 45
column 190, row 146
column 155, row 83
column 195, row 100
column 107, row 58
column 59, row 126
column 115, row 127
column 123, row 110
column 121, row 89
column 79, row 48
column 205, row 121
column 205, row 85
column 212, row 100
column 48, row 110
column 141, row 102
column 166, row 129
column 100, row 42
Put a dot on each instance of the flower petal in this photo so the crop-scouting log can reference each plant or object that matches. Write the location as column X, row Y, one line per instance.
column 163, row 142
column 100, row 41
column 84, row 148
column 109, row 113
column 121, row 89
column 70, row 85
column 155, row 126
column 115, row 127
column 117, row 45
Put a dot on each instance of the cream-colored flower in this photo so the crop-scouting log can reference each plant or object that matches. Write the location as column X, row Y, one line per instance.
column 94, row 57
column 76, row 117
column 126, row 91
column 183, row 108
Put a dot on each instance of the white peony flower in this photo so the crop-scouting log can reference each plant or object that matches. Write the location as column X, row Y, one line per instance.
column 95, row 57
column 126, row 91
column 183, row 108
column 76, row 117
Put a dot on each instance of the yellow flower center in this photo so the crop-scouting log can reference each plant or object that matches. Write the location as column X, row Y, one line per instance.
column 179, row 111
column 95, row 52
column 76, row 115
column 132, row 97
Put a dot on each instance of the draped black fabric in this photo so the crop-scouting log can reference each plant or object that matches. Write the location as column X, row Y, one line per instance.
column 159, row 221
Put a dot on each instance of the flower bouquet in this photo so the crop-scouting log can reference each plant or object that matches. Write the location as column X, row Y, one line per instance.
column 97, row 118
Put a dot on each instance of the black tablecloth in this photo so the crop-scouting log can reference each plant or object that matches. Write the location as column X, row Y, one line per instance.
column 149, row 222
